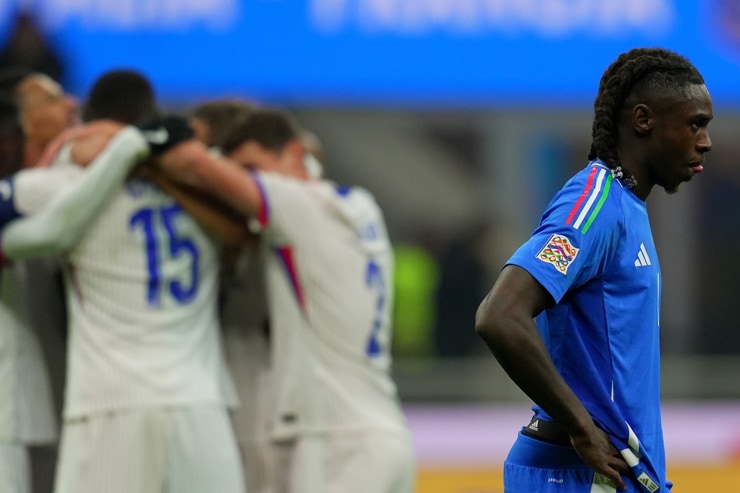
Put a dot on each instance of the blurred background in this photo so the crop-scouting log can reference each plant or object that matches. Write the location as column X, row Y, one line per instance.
column 463, row 117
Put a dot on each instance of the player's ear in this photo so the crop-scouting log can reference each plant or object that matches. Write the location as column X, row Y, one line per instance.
column 642, row 119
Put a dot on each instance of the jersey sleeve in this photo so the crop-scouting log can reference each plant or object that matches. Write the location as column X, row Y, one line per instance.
column 29, row 190
column 576, row 237
column 286, row 206
column 57, row 227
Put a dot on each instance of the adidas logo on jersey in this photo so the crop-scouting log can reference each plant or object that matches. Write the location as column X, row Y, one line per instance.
column 651, row 485
column 643, row 258
column 534, row 425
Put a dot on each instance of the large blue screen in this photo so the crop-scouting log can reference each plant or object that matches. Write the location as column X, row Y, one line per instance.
column 423, row 53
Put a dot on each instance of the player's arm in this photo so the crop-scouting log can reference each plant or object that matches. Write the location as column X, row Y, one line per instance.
column 190, row 163
column 30, row 190
column 505, row 321
column 90, row 139
column 220, row 220
column 58, row 226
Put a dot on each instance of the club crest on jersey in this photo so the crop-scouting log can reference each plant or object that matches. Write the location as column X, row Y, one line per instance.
column 559, row 252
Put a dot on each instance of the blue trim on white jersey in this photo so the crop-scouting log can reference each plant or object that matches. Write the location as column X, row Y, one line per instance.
column 8, row 211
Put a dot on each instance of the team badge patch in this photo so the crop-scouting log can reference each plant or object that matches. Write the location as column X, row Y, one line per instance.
column 559, row 252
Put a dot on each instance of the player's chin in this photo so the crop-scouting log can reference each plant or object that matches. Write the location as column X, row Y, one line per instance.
column 671, row 189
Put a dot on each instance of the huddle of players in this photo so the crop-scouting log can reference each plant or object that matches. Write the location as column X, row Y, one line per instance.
column 164, row 238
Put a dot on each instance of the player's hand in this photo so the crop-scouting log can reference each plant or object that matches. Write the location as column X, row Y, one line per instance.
column 52, row 149
column 597, row 451
column 89, row 140
column 102, row 128
column 163, row 133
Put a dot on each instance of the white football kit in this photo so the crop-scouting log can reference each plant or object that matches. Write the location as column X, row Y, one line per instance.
column 144, row 404
column 329, row 269
column 26, row 406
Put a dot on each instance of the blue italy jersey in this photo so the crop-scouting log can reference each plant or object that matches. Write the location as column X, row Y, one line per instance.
column 593, row 251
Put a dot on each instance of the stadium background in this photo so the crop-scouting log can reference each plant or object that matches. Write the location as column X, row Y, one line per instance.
column 463, row 117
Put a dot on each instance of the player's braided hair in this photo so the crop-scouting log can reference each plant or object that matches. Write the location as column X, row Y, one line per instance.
column 653, row 69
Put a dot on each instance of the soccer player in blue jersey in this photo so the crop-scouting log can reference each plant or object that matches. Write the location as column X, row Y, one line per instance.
column 590, row 277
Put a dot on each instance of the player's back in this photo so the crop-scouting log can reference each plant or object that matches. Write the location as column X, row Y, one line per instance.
column 349, row 307
column 329, row 270
column 141, row 288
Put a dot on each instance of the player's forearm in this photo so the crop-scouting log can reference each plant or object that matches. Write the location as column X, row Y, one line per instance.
column 217, row 219
column 58, row 226
column 518, row 347
column 505, row 322
column 190, row 163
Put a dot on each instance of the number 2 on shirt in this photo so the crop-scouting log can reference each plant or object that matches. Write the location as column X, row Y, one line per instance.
column 374, row 279
column 151, row 221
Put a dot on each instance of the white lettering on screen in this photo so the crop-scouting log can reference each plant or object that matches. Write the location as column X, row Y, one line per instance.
column 546, row 18
column 131, row 15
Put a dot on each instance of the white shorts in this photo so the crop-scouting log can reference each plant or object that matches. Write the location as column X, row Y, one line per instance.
column 15, row 472
column 374, row 461
column 157, row 450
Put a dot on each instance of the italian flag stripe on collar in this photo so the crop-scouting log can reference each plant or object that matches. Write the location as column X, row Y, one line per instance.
column 592, row 198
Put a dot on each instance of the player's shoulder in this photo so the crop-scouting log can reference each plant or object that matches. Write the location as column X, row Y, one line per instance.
column 40, row 178
column 594, row 177
column 350, row 194
column 354, row 198
column 592, row 196
column 356, row 206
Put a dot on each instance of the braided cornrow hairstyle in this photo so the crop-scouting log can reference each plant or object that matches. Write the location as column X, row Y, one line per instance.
column 652, row 68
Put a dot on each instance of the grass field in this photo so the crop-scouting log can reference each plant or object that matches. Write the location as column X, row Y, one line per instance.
column 686, row 478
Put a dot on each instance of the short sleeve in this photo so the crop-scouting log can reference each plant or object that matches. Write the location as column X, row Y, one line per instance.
column 576, row 239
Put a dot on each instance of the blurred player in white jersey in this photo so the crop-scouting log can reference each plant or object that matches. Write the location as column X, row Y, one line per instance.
column 26, row 410
column 46, row 111
column 32, row 317
column 336, row 424
column 144, row 405
column 243, row 315
column 244, row 311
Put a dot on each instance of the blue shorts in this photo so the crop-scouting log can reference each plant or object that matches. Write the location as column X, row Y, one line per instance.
column 534, row 466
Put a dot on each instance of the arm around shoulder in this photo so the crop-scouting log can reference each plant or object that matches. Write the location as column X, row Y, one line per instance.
column 59, row 225
column 190, row 163
column 221, row 221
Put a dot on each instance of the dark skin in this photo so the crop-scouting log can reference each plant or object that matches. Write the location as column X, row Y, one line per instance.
column 663, row 142
column 666, row 140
